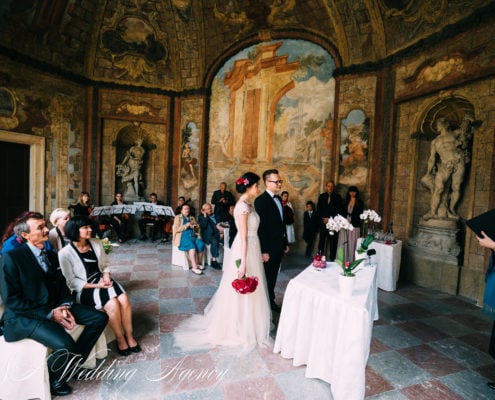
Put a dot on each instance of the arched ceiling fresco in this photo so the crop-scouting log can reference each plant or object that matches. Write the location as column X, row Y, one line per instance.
column 174, row 44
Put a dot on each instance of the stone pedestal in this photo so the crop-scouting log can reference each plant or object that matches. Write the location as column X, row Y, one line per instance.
column 432, row 255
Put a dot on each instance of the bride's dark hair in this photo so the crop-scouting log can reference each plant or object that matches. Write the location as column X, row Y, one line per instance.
column 245, row 181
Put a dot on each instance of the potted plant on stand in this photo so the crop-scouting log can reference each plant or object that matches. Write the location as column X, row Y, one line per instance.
column 362, row 251
column 347, row 276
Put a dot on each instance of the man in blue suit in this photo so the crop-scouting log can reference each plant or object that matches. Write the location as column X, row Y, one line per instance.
column 271, row 230
column 38, row 303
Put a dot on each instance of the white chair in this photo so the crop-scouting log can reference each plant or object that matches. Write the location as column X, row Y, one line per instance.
column 179, row 257
column 207, row 254
column 24, row 373
column 23, row 368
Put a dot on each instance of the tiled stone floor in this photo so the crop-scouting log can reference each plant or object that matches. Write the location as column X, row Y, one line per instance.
column 426, row 344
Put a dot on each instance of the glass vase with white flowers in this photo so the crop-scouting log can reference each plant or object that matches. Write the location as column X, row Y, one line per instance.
column 370, row 219
column 335, row 225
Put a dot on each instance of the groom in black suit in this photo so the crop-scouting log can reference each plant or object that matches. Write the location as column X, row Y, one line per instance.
column 271, row 231
column 38, row 303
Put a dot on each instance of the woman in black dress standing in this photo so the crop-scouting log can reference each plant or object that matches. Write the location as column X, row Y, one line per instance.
column 84, row 264
column 351, row 209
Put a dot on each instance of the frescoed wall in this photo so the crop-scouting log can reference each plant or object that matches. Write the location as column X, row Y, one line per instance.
column 354, row 138
column 272, row 106
column 191, row 131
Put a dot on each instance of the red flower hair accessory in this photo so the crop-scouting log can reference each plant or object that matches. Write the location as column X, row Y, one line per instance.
column 242, row 181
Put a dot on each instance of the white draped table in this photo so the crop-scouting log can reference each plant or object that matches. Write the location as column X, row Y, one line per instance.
column 328, row 333
column 387, row 259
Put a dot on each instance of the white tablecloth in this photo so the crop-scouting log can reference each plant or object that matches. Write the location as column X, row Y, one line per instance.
column 387, row 258
column 330, row 334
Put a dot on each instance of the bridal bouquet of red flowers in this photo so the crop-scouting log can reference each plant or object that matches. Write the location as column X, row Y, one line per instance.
column 246, row 284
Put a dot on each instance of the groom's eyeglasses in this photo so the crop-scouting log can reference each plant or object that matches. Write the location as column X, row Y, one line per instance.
column 277, row 182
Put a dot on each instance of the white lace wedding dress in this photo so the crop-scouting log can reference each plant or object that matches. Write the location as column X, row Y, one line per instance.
column 230, row 318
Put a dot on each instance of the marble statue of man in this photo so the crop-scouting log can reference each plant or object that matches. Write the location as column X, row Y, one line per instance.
column 130, row 168
column 445, row 173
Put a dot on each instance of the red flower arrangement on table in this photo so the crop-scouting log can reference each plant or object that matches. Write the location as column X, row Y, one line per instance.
column 319, row 261
column 246, row 284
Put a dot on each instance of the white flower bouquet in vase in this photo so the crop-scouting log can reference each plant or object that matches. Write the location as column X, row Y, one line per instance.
column 346, row 278
column 370, row 220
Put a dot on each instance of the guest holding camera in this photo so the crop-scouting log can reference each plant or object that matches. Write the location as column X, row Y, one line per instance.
column 187, row 238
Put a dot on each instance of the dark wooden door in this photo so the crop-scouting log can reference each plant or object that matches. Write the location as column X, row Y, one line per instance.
column 14, row 182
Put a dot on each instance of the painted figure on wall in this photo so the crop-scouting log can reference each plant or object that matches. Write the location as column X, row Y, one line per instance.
column 188, row 161
column 134, row 44
column 449, row 153
column 355, row 131
column 189, row 156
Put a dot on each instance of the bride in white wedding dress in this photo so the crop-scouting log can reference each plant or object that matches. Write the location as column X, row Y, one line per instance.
column 232, row 319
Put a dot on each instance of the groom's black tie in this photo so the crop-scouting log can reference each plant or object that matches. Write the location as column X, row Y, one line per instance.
column 278, row 201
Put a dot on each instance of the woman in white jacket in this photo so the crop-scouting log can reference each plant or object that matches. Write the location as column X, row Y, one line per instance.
column 84, row 264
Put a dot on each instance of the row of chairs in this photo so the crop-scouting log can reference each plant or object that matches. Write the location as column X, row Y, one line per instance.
column 181, row 259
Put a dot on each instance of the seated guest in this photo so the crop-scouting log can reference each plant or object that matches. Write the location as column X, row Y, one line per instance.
column 84, row 264
column 180, row 202
column 210, row 233
column 56, row 236
column 192, row 210
column 229, row 219
column 186, row 232
column 148, row 217
column 10, row 240
column 38, row 303
column 84, row 207
column 119, row 221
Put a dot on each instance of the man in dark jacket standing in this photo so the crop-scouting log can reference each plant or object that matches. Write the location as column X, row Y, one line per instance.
column 329, row 205
column 222, row 199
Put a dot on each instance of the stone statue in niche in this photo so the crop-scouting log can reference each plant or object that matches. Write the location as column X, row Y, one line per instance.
column 449, row 153
column 130, row 169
